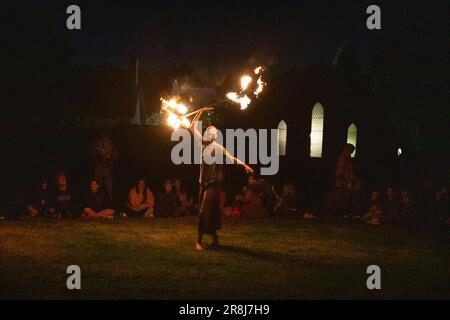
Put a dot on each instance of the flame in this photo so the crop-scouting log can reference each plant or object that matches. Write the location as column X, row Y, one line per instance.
column 175, row 111
column 244, row 100
column 173, row 120
column 260, row 87
column 245, row 81
column 241, row 97
column 185, row 122
column 174, row 105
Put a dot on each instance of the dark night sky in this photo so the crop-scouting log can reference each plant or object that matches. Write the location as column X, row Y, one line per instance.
column 224, row 33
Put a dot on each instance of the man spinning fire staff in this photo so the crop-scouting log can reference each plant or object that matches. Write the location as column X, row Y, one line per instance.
column 209, row 220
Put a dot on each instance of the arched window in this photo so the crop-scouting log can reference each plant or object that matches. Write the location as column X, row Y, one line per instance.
column 352, row 133
column 282, row 138
column 316, row 131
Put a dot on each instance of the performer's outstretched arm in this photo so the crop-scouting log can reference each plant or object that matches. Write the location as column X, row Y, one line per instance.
column 198, row 135
column 228, row 155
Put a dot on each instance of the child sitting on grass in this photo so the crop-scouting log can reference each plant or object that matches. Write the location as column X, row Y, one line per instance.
column 375, row 215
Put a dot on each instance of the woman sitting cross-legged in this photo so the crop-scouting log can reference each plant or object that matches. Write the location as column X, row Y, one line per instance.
column 168, row 203
column 140, row 201
column 253, row 202
column 287, row 203
column 186, row 201
column 96, row 204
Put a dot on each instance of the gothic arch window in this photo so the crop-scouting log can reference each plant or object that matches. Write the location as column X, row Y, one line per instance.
column 316, row 131
column 282, row 137
column 352, row 133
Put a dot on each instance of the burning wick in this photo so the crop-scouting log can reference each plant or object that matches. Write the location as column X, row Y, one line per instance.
column 241, row 97
column 175, row 111
column 245, row 81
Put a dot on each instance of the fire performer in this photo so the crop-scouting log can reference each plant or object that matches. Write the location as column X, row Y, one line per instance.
column 209, row 220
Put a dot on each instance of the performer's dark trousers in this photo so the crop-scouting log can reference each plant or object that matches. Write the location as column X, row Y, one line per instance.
column 209, row 220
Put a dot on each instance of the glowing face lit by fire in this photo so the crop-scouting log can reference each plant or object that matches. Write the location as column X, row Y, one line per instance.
column 210, row 134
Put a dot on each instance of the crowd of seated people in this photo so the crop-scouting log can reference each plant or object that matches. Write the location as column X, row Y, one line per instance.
column 389, row 205
column 52, row 203
column 257, row 199
column 403, row 208
column 58, row 201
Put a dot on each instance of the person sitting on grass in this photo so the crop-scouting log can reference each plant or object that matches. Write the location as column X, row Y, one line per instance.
column 140, row 201
column 62, row 200
column 287, row 204
column 168, row 203
column 407, row 211
column 375, row 215
column 390, row 206
column 186, row 201
column 443, row 205
column 250, row 180
column 96, row 204
column 253, row 201
column 38, row 204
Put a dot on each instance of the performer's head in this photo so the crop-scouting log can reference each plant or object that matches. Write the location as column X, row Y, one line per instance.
column 210, row 134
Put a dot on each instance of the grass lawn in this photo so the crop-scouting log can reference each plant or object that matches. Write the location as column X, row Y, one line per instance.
column 260, row 259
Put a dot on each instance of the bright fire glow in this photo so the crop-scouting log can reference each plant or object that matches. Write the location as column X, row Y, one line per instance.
column 245, row 81
column 175, row 111
column 241, row 97
column 174, row 105
column 244, row 101
column 260, row 87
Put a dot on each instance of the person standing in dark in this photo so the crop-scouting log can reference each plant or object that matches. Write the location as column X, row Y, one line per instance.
column 104, row 153
column 339, row 199
column 62, row 200
column 209, row 220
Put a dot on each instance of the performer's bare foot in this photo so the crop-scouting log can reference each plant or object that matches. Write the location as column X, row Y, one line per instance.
column 198, row 247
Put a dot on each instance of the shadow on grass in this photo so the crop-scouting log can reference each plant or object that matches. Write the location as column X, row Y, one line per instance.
column 258, row 254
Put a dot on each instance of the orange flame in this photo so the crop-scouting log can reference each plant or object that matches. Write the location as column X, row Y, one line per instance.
column 241, row 97
column 175, row 111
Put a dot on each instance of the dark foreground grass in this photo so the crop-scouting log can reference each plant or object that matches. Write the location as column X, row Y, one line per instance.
column 260, row 259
